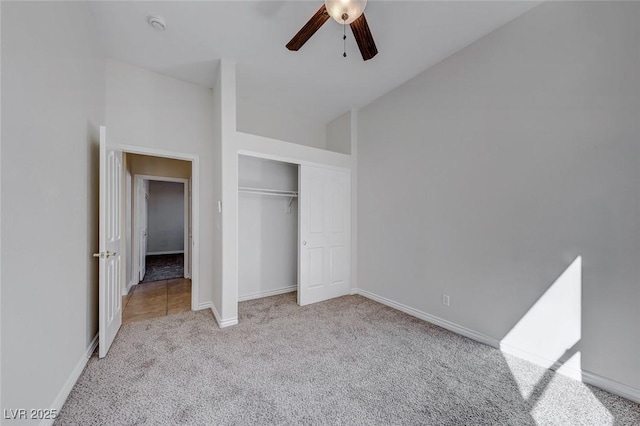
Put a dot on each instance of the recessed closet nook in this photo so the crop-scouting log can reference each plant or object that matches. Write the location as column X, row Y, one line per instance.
column 294, row 204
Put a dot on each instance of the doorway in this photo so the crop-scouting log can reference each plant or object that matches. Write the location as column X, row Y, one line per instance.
column 116, row 254
column 158, row 229
column 162, row 211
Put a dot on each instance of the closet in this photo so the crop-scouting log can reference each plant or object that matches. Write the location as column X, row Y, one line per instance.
column 267, row 227
column 294, row 230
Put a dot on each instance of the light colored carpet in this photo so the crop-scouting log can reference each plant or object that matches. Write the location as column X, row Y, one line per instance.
column 345, row 361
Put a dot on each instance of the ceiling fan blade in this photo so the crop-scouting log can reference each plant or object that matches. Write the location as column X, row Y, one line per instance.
column 309, row 29
column 364, row 38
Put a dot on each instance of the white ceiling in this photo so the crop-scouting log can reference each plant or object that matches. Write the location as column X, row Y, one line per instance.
column 316, row 82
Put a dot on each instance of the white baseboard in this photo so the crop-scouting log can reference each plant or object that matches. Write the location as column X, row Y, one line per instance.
column 157, row 253
column 471, row 334
column 620, row 389
column 127, row 290
column 205, row 305
column 62, row 396
column 612, row 386
column 267, row 293
column 542, row 361
column 222, row 323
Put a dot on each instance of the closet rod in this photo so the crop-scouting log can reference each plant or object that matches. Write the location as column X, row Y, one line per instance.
column 274, row 192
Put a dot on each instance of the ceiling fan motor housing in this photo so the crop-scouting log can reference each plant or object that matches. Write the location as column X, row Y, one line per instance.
column 345, row 11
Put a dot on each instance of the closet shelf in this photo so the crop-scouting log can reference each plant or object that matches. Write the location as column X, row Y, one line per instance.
column 271, row 192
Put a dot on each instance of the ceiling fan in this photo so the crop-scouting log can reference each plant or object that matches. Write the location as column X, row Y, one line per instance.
column 346, row 12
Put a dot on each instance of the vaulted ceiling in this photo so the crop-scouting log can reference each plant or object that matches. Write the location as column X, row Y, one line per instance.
column 316, row 82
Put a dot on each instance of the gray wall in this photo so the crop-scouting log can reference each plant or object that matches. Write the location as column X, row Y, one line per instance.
column 486, row 176
column 339, row 134
column 53, row 100
column 277, row 124
column 165, row 217
column 267, row 233
column 149, row 110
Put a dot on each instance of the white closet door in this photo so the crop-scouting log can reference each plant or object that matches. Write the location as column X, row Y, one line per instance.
column 325, row 234
column 110, row 306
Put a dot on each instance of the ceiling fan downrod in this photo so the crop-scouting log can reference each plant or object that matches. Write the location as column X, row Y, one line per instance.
column 344, row 35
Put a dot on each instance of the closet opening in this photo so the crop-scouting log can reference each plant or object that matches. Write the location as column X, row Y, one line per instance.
column 267, row 227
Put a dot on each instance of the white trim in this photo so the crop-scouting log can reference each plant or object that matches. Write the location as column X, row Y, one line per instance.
column 223, row 323
column 194, row 256
column 158, row 253
column 471, row 334
column 580, row 375
column 62, row 396
column 542, row 361
column 126, row 291
column 274, row 149
column 204, row 305
column 162, row 178
column 143, row 150
column 620, row 389
column 261, row 294
column 617, row 388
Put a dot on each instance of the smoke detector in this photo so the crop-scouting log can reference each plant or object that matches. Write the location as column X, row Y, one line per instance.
column 157, row 23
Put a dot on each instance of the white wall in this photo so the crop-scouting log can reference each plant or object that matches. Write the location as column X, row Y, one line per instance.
column 216, row 186
column 153, row 111
column 165, row 217
column 267, row 229
column 52, row 104
column 339, row 134
column 225, row 300
column 488, row 175
column 277, row 124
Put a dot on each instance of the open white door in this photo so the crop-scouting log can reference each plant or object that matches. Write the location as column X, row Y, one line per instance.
column 324, row 234
column 110, row 310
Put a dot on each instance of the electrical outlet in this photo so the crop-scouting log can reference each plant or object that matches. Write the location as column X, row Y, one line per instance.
column 445, row 299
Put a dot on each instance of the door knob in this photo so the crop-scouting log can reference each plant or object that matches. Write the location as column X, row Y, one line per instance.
column 304, row 243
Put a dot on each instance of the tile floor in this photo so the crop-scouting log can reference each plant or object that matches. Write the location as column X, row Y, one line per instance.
column 157, row 299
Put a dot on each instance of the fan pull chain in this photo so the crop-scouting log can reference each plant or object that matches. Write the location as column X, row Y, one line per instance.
column 344, row 40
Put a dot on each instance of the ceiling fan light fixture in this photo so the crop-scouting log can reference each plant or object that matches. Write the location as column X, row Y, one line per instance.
column 345, row 11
